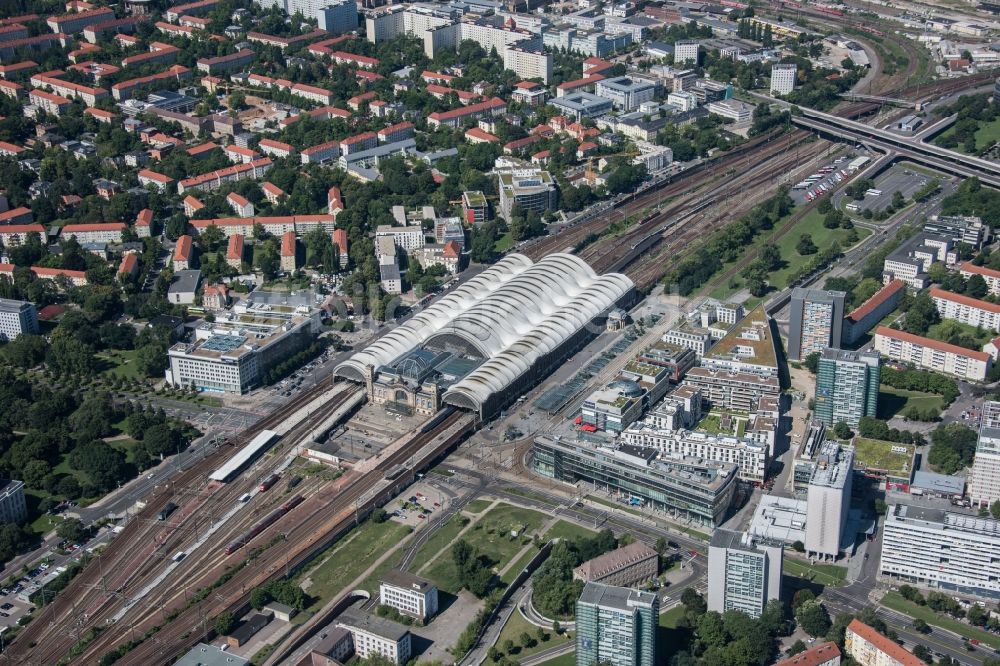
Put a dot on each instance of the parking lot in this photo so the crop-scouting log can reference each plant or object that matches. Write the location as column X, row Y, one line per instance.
column 829, row 177
column 899, row 178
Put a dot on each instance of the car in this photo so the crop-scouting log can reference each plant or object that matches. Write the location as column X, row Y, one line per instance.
column 6, row 606
column 436, row 505
column 150, row 476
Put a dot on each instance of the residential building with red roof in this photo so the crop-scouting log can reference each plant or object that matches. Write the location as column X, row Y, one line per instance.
column 19, row 215
column 284, row 42
column 932, row 354
column 215, row 179
column 966, row 310
column 77, row 21
column 126, row 89
column 100, row 115
column 530, row 93
column 129, row 268
column 144, row 223
column 12, row 235
column 868, row 647
column 586, row 84
column 49, row 102
column 240, row 155
column 159, row 53
column 101, row 232
column 9, row 149
column 334, row 202
column 322, row 48
column 183, row 253
column 436, row 77
column 202, row 150
column 215, row 296
column 158, row 180
column 175, row 30
column 822, row 654
column 192, row 205
column 990, row 276
column 344, row 58
column 863, row 318
column 226, row 63
column 12, row 90
column 51, row 81
column 17, row 69
column 488, row 108
column 356, row 101
column 397, row 132
column 39, row 43
column 288, row 251
column 234, row 251
column 339, row 238
column 477, row 135
column 275, row 148
column 240, row 204
column 276, row 225
column 322, row 153
column 594, row 65
column 75, row 278
column 271, row 191
column 199, row 8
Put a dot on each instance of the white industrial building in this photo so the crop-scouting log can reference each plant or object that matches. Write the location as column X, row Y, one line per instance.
column 409, row 594
column 374, row 635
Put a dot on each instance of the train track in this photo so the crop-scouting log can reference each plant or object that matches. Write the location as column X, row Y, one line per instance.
column 124, row 565
column 308, row 529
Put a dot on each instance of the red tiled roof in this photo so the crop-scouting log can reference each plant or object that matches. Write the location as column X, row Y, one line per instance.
column 271, row 188
column 235, row 248
column 964, row 300
column 14, row 213
column 191, row 200
column 969, row 267
column 153, row 175
column 129, row 264
column 461, row 112
column 271, row 143
column 877, row 299
column 238, row 199
column 580, row 83
column 202, row 148
column 933, row 344
column 182, row 251
column 364, row 136
column 144, row 218
column 288, row 244
column 884, row 644
column 21, row 229
column 818, row 654
column 451, row 250
column 478, row 133
column 98, row 226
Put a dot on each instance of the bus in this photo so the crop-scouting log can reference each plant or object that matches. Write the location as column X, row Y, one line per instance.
column 873, row 192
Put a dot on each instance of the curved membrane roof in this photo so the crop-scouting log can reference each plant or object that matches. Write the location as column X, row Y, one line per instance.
column 511, row 315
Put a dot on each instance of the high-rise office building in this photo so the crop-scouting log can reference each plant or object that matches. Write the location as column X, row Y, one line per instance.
column 783, row 79
column 17, row 317
column 616, row 625
column 816, row 321
column 984, row 482
column 847, row 386
column 742, row 575
column 828, row 499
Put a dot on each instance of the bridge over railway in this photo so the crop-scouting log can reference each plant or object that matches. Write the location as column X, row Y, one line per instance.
column 894, row 101
column 935, row 157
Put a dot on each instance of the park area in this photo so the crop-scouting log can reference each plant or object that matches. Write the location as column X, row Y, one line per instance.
column 893, row 401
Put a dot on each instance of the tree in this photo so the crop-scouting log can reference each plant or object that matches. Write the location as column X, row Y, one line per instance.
column 898, row 200
column 802, row 596
column 556, row 628
column 842, row 431
column 798, row 547
column 798, row 646
column 811, row 362
column 526, row 640
column 923, row 314
column 224, row 623
column 770, row 256
column 922, row 653
column 806, row 246
column 976, row 286
column 70, row 529
column 813, row 618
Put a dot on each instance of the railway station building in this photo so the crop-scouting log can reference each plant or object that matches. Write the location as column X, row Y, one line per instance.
column 488, row 340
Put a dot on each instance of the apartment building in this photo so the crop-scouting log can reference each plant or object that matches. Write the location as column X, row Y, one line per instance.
column 627, row 566
column 127, row 89
column 932, row 354
column 214, row 179
column 374, row 635
column 984, row 481
column 48, row 102
column 686, row 51
column 337, row 16
column 104, row 232
column 76, row 21
column 17, row 317
column 406, row 239
column 697, row 342
column 912, row 259
column 616, row 625
column 12, row 505
column 990, row 276
column 864, row 318
column 528, row 60
column 815, row 321
column 226, row 63
column 51, row 81
column 409, row 594
column 966, row 310
column 821, row 654
column 749, row 455
column 743, row 574
column 13, row 235
column 847, row 385
column 739, row 391
column 235, row 249
column 396, row 132
column 489, row 108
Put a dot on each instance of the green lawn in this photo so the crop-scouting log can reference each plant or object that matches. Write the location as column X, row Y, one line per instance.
column 986, row 133
column 877, row 454
column 120, row 363
column 567, row 530
column 825, row 574
column 811, row 224
column 568, row 659
column 892, row 401
column 349, row 559
column 671, row 617
column 504, row 243
column 478, row 505
column 516, row 626
column 948, row 330
column 439, row 542
column 894, row 601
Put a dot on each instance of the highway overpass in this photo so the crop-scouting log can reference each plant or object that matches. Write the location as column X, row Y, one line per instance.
column 935, row 157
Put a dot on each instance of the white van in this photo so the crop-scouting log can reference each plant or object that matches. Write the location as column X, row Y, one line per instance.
column 179, row 556
column 245, row 497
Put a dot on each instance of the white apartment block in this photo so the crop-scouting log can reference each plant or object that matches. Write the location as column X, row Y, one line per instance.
column 752, row 457
column 932, row 354
column 527, row 61
column 867, row 647
column 100, row 232
column 17, row 317
column 699, row 343
column 683, row 100
column 686, row 51
column 742, row 575
column 409, row 594
column 971, row 311
column 783, row 79
column 984, row 481
column 374, row 635
column 937, row 548
column 406, row 239
column 990, row 276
